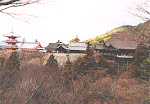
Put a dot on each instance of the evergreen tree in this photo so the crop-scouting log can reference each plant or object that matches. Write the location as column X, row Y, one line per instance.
column 68, row 73
column 89, row 51
column 89, row 59
column 13, row 62
column 83, row 64
column 144, row 70
column 68, row 65
column 52, row 63
column 141, row 54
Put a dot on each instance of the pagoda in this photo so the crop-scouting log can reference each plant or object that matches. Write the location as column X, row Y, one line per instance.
column 11, row 41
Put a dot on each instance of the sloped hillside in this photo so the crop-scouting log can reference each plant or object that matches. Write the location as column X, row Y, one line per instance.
column 142, row 30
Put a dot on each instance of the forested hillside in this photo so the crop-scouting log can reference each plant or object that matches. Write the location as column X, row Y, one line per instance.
column 142, row 30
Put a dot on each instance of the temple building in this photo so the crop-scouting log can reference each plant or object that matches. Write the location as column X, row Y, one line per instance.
column 56, row 48
column 11, row 41
column 31, row 47
column 77, row 47
column 120, row 48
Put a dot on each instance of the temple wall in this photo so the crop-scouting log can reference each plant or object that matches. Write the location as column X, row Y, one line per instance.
column 62, row 57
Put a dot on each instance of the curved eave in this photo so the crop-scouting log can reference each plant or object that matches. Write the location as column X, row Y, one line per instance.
column 12, row 34
column 11, row 41
column 11, row 47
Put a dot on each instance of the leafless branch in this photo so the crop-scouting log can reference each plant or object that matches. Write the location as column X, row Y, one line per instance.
column 141, row 10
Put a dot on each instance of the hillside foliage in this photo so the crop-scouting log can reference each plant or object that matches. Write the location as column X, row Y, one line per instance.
column 38, row 84
column 142, row 30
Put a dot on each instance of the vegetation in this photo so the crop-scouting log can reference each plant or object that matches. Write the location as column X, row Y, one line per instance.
column 2, row 62
column 76, row 39
column 144, row 70
column 13, row 62
column 142, row 30
column 141, row 54
column 38, row 84
column 52, row 63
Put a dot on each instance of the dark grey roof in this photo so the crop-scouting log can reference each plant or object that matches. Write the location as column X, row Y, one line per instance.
column 53, row 46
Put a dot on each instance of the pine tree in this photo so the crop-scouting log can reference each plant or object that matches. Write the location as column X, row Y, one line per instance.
column 144, row 70
column 141, row 54
column 68, row 73
column 83, row 64
column 52, row 63
column 13, row 62
column 89, row 59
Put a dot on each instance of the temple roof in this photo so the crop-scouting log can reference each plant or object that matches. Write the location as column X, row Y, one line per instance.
column 78, row 46
column 124, row 41
column 53, row 46
column 31, row 45
column 121, row 41
column 12, row 34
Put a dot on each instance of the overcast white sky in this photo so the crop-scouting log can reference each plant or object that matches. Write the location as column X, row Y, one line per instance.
column 64, row 19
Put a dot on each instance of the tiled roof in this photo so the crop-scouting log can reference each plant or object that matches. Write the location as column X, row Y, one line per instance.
column 29, row 45
column 77, row 46
column 53, row 46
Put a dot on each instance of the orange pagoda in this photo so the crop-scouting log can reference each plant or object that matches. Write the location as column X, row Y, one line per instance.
column 11, row 41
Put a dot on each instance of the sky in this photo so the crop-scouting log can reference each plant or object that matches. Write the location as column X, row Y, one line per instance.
column 65, row 19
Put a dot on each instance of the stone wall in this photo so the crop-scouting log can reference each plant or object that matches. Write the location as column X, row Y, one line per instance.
column 62, row 57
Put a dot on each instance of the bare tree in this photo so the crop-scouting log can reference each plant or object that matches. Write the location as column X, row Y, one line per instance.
column 142, row 10
column 7, row 4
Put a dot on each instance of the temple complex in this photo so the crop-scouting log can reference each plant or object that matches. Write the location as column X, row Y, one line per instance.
column 120, row 49
column 11, row 41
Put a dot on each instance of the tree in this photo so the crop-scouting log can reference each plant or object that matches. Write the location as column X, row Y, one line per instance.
column 15, row 3
column 141, row 54
column 76, row 39
column 52, row 63
column 7, row 4
column 89, row 58
column 13, row 62
column 68, row 73
column 144, row 70
column 83, row 64
column 2, row 61
column 142, row 10
column 102, row 62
